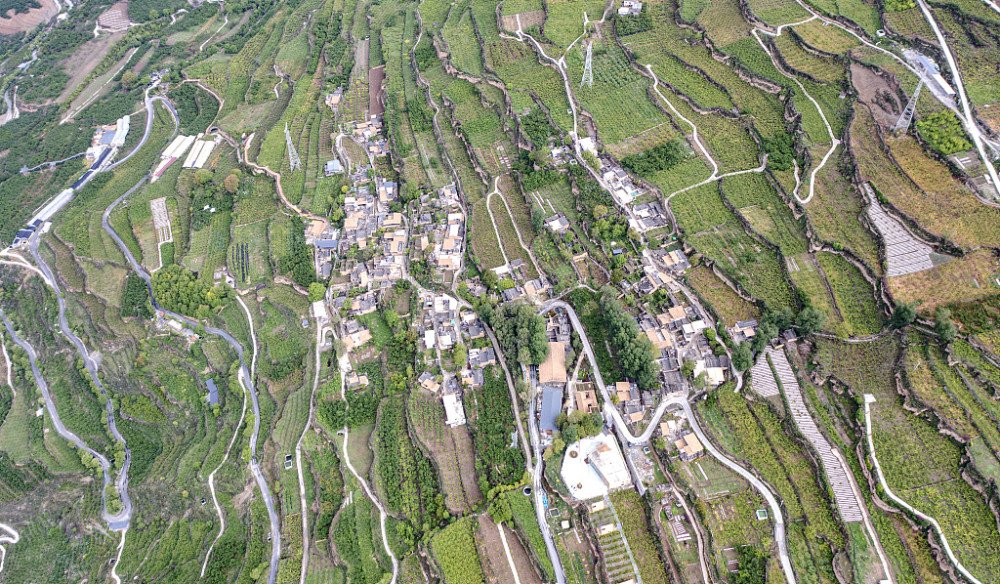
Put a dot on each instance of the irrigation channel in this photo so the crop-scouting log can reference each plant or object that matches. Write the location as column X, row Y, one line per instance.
column 245, row 378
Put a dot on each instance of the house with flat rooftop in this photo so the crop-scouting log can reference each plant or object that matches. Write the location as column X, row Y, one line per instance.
column 586, row 400
column 428, row 382
column 454, row 412
column 594, row 466
column 553, row 369
column 332, row 167
column 557, row 223
column 690, row 447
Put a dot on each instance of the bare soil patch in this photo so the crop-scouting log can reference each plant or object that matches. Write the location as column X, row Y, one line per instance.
column 13, row 23
column 522, row 561
column 115, row 18
column 878, row 93
column 491, row 553
column 80, row 64
column 528, row 20
column 376, row 107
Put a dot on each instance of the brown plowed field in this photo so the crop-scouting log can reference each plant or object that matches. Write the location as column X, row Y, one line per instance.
column 494, row 560
column 30, row 19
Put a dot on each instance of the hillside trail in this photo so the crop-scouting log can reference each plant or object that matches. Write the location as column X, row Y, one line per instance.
column 321, row 330
column 344, row 364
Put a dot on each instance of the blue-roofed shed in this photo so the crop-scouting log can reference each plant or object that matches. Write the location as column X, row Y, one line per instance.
column 213, row 392
column 333, row 167
column 552, row 399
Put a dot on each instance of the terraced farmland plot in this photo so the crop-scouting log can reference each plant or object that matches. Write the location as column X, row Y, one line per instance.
column 777, row 12
column 762, row 377
column 828, row 39
column 958, row 280
column 923, row 468
column 618, row 562
column 460, row 37
column 451, row 449
column 920, row 187
column 858, row 310
column 905, row 254
column 565, row 19
column 723, row 22
column 729, row 306
column 618, row 101
column 834, row 213
column 977, row 51
column 843, row 493
column 484, row 240
column 820, row 67
column 247, row 261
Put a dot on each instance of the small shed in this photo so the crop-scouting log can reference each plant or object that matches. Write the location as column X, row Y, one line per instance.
column 213, row 392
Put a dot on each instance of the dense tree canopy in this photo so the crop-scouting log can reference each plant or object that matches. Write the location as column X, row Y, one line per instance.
column 657, row 158
column 521, row 333
column 943, row 132
column 134, row 297
column 179, row 290
column 635, row 352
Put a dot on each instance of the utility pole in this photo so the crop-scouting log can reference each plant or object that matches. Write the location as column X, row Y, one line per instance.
column 588, row 69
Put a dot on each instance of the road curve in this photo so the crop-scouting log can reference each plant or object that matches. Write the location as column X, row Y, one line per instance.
column 14, row 537
column 150, row 114
column 50, row 406
column 245, row 379
column 120, row 520
column 612, row 413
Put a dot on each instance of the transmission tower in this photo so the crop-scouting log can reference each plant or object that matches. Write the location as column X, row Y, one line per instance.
column 588, row 70
column 907, row 116
column 293, row 157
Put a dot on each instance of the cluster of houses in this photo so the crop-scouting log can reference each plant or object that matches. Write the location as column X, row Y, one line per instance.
column 515, row 272
column 630, row 8
column 648, row 216
column 371, row 132
column 674, row 430
column 619, row 183
column 368, row 225
column 439, row 230
column 442, row 327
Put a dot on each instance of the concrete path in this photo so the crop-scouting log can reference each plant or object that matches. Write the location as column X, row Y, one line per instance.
column 869, row 399
column 344, row 363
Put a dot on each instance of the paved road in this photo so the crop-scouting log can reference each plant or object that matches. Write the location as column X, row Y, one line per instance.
column 116, row 521
column 245, row 378
column 50, row 406
column 970, row 121
column 869, row 399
